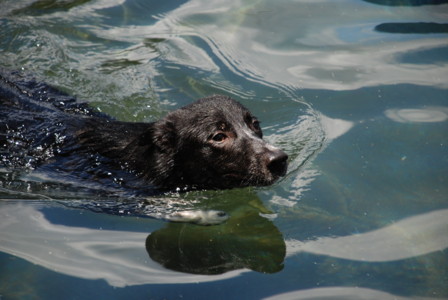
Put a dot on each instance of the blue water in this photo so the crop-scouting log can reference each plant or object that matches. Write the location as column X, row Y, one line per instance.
column 356, row 92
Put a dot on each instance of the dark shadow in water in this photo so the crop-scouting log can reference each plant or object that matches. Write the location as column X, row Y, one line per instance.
column 246, row 240
column 437, row 55
column 407, row 2
column 42, row 7
column 412, row 28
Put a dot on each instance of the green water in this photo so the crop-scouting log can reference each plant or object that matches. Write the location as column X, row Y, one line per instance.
column 354, row 91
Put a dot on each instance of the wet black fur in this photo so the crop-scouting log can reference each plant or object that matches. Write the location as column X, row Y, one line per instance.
column 214, row 142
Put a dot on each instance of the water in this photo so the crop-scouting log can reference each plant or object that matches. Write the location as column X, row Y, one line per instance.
column 354, row 91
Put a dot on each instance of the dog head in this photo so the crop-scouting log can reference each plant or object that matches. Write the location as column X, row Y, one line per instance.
column 216, row 142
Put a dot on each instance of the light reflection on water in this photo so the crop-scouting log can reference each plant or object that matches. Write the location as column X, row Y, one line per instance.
column 360, row 107
column 95, row 253
column 414, row 236
column 424, row 115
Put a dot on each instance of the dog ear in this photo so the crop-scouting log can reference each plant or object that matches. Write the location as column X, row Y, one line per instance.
column 161, row 135
column 145, row 138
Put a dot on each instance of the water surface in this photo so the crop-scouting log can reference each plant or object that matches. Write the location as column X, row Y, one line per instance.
column 354, row 91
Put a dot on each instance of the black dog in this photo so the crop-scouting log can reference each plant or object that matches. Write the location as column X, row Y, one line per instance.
column 213, row 143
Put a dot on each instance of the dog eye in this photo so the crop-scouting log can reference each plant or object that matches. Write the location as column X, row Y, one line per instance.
column 256, row 128
column 219, row 137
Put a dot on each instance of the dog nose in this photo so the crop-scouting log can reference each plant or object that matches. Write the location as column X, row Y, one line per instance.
column 277, row 162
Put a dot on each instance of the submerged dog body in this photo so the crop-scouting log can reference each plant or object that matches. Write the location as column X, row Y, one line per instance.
column 213, row 143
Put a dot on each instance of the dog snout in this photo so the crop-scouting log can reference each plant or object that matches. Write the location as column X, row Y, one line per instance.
column 277, row 162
